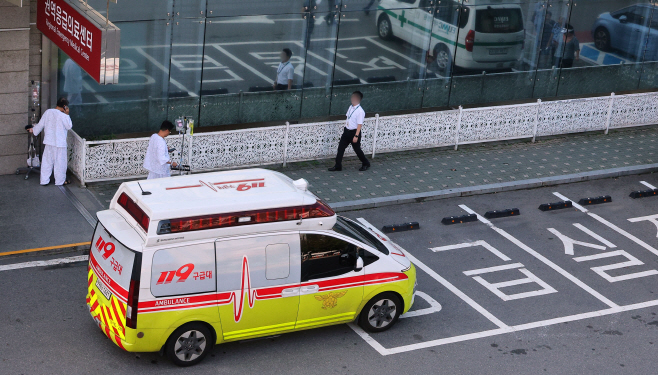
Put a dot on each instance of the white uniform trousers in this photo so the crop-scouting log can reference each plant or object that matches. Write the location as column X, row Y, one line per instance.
column 54, row 160
column 153, row 175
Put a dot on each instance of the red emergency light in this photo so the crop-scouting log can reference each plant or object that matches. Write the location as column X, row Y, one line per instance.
column 271, row 215
column 135, row 211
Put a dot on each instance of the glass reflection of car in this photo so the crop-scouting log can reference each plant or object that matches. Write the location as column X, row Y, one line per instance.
column 487, row 37
column 626, row 30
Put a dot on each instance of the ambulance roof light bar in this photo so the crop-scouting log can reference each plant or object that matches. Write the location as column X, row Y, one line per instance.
column 271, row 215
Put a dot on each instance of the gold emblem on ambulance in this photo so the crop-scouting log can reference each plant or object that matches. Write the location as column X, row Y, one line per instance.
column 330, row 300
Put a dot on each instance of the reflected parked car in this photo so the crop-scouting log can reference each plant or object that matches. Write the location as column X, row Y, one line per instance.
column 480, row 35
column 626, row 30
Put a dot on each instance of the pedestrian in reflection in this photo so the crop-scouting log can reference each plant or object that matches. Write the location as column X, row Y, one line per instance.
column 546, row 37
column 570, row 48
column 366, row 9
column 556, row 36
column 284, row 72
column 352, row 134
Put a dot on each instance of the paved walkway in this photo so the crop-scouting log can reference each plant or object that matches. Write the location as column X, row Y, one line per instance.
column 35, row 216
column 429, row 171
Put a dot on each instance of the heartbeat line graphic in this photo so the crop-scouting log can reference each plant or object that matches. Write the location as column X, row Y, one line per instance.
column 238, row 306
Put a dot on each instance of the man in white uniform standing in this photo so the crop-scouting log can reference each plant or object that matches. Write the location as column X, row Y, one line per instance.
column 352, row 134
column 55, row 123
column 157, row 160
column 285, row 72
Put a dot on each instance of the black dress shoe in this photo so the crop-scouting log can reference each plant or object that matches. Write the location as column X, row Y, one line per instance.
column 335, row 169
column 364, row 167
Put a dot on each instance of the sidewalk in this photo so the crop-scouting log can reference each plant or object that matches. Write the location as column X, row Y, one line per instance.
column 35, row 216
column 473, row 169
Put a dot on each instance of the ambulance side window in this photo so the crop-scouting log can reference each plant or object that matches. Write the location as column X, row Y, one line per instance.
column 326, row 256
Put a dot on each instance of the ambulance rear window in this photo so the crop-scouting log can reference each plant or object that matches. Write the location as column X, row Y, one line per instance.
column 351, row 229
column 498, row 20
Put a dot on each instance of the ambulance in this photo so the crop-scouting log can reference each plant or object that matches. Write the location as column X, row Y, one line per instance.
column 180, row 264
column 476, row 34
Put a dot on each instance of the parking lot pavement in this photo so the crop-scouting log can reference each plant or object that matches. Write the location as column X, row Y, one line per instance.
column 558, row 292
column 529, row 271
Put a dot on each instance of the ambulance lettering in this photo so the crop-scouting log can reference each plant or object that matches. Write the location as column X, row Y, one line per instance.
column 183, row 273
column 245, row 187
column 107, row 248
column 172, row 301
column 116, row 266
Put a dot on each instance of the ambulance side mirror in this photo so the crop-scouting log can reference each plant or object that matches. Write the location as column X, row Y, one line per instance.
column 359, row 264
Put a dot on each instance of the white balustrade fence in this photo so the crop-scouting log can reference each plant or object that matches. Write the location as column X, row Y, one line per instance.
column 123, row 158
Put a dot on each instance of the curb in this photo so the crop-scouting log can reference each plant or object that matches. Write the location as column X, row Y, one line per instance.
column 492, row 188
column 46, row 252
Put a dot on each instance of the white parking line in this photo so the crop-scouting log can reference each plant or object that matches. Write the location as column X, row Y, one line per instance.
column 542, row 258
column 244, row 64
column 391, row 50
column 493, row 269
column 472, row 244
column 647, row 184
column 43, row 263
column 165, row 70
column 331, row 63
column 446, row 284
column 610, row 225
column 434, row 307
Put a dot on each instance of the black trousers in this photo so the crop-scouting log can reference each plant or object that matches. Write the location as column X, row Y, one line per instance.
column 346, row 140
column 280, row 87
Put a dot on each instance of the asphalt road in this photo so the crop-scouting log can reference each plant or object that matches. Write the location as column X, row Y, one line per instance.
column 580, row 312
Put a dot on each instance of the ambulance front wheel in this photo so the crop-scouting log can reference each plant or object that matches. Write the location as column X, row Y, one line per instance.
column 381, row 312
column 189, row 344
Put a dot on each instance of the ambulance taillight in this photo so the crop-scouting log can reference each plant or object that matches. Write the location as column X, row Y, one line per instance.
column 135, row 211
column 131, row 309
column 469, row 41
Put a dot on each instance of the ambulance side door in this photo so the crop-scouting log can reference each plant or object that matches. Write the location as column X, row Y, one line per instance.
column 331, row 290
column 258, row 284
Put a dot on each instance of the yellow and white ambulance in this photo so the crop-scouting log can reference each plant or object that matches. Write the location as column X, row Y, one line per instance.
column 475, row 34
column 182, row 263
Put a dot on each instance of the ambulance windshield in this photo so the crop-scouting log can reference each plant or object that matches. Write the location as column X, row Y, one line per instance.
column 351, row 229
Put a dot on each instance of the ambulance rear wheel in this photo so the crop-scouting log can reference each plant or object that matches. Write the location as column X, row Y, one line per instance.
column 189, row 344
column 381, row 312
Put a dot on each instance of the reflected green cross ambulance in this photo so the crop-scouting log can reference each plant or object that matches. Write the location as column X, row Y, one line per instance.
column 476, row 35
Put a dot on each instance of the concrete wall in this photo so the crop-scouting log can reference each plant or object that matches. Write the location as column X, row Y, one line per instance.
column 14, row 77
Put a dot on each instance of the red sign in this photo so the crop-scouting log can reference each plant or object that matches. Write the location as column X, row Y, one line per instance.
column 74, row 34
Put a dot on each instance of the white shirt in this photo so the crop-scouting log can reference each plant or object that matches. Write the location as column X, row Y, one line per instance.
column 355, row 116
column 55, row 125
column 284, row 72
column 157, row 156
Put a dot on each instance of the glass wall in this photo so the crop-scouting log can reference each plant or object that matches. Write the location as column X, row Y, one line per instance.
column 226, row 62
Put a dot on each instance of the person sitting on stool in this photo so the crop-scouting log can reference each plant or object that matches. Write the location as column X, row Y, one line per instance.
column 352, row 134
column 284, row 72
column 157, row 160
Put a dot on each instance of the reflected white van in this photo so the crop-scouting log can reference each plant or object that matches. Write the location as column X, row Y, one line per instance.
column 482, row 35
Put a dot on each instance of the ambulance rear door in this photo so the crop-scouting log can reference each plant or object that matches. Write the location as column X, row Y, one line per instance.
column 258, row 284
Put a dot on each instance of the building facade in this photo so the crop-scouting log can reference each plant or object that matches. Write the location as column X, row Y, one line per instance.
column 217, row 60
